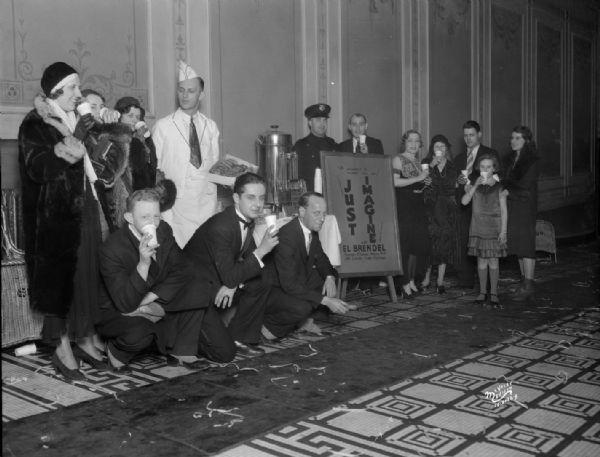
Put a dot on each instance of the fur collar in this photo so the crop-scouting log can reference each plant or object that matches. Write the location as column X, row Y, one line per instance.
column 44, row 110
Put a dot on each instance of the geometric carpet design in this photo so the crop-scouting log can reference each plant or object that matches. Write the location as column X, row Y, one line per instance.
column 537, row 393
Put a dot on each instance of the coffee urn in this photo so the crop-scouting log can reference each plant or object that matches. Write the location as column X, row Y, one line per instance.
column 272, row 155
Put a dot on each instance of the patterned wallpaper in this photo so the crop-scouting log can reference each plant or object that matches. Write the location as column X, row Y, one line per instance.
column 106, row 41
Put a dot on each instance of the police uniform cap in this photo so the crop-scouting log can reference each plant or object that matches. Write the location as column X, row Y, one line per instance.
column 318, row 110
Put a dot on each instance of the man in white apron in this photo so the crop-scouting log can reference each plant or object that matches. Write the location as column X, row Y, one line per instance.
column 187, row 146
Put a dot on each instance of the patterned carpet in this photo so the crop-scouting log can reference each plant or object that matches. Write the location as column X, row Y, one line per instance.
column 535, row 394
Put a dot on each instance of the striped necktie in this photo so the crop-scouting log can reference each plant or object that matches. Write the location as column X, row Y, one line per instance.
column 195, row 152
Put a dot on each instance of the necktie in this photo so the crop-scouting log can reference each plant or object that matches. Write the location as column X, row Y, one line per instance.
column 470, row 160
column 246, row 223
column 195, row 153
column 247, row 240
column 357, row 148
column 308, row 241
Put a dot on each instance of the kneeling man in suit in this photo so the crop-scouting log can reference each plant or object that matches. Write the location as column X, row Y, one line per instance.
column 150, row 294
column 300, row 273
column 225, row 255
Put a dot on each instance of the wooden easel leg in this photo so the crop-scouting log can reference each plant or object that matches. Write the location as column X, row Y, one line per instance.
column 392, row 289
column 344, row 287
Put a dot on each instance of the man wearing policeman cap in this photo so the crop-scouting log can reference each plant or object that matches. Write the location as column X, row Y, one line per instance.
column 309, row 147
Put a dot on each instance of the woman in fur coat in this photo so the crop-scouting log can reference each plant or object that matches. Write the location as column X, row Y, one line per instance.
column 61, row 220
column 521, row 174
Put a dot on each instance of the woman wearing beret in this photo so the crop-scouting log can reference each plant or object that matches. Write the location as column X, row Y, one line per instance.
column 520, row 179
column 61, row 220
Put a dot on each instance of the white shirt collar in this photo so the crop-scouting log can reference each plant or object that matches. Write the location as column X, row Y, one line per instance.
column 241, row 216
column 305, row 230
column 135, row 232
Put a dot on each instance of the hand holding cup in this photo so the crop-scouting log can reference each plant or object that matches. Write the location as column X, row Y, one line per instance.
column 142, row 129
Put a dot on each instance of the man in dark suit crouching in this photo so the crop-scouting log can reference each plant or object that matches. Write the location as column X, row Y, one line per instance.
column 301, row 275
column 225, row 255
column 150, row 294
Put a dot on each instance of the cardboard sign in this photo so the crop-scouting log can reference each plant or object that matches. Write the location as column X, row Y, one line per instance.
column 359, row 190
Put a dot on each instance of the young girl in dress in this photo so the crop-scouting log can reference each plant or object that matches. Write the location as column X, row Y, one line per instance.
column 487, row 234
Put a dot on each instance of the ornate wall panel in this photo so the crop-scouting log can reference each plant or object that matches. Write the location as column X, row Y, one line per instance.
column 582, row 133
column 372, row 68
column 109, row 50
column 258, row 71
column 506, row 74
column 450, row 87
column 549, row 99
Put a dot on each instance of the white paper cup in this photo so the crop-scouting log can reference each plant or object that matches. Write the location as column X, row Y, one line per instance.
column 142, row 125
column 424, row 166
column 496, row 177
column 84, row 108
column 28, row 349
column 465, row 173
column 484, row 174
column 362, row 138
column 271, row 220
column 102, row 112
column 150, row 229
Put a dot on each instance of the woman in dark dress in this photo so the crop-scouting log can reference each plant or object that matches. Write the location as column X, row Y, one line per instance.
column 142, row 155
column 409, row 181
column 61, row 220
column 442, row 209
column 520, row 168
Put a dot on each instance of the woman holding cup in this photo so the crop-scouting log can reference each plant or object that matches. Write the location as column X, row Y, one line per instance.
column 520, row 179
column 61, row 220
column 442, row 209
column 409, row 178
column 142, row 155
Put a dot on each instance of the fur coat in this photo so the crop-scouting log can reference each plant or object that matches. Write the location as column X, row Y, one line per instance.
column 123, row 165
column 52, row 183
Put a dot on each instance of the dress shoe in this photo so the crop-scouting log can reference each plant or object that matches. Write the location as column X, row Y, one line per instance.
column 68, row 373
column 249, row 350
column 200, row 364
column 121, row 369
column 95, row 363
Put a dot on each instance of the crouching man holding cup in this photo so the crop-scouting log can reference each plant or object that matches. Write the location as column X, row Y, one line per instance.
column 150, row 294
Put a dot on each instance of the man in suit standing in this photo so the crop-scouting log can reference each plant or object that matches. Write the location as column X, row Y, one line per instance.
column 309, row 148
column 468, row 160
column 301, row 275
column 150, row 293
column 357, row 126
column 225, row 255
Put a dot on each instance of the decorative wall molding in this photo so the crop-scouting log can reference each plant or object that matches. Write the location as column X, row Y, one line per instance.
column 415, row 62
column 122, row 72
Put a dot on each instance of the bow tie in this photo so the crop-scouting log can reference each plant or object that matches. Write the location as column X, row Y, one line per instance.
column 247, row 224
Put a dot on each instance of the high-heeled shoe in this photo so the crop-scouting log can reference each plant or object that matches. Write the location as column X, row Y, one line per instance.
column 480, row 300
column 441, row 289
column 495, row 301
column 413, row 287
column 526, row 292
column 406, row 291
column 95, row 363
column 68, row 373
column 424, row 285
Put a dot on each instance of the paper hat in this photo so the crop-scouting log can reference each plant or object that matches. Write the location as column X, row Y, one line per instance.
column 186, row 72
